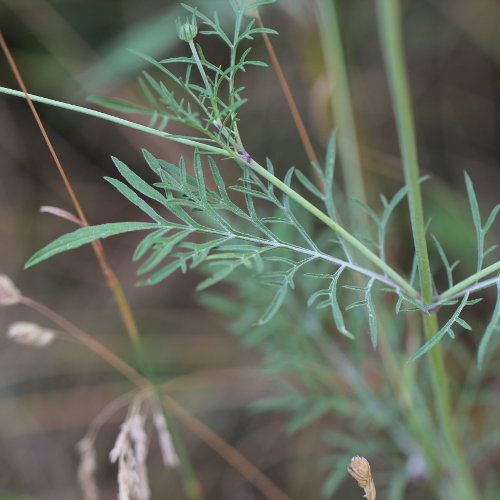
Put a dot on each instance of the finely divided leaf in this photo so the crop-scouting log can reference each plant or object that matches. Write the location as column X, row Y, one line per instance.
column 441, row 333
column 338, row 317
column 275, row 304
column 309, row 185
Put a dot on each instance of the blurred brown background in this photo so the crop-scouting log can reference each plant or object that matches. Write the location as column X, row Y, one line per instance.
column 69, row 49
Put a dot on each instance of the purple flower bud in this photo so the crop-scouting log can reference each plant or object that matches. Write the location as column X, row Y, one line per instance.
column 245, row 156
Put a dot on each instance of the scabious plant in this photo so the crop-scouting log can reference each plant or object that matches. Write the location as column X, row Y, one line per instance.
column 295, row 253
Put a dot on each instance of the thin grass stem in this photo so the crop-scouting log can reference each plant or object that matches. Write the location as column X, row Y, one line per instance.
column 392, row 47
column 113, row 282
column 341, row 103
column 88, row 341
column 292, row 105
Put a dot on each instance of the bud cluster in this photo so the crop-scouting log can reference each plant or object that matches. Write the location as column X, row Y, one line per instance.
column 188, row 30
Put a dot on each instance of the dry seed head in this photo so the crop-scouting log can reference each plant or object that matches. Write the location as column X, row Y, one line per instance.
column 130, row 450
column 170, row 458
column 359, row 469
column 129, row 480
column 9, row 294
column 31, row 334
column 86, row 469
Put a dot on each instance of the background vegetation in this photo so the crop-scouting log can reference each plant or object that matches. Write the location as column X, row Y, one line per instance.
column 68, row 50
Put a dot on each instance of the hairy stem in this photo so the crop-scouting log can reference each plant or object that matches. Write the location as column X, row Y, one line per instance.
column 392, row 47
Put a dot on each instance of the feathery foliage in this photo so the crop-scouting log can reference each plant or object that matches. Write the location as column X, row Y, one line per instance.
column 263, row 229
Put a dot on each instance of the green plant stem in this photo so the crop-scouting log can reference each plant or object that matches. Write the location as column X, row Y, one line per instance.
column 341, row 104
column 231, row 83
column 392, row 47
column 225, row 151
column 348, row 237
column 200, row 67
column 120, row 121
column 468, row 282
column 210, row 92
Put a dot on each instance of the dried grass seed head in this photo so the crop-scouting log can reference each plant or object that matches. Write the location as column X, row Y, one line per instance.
column 130, row 450
column 87, row 468
column 169, row 456
column 30, row 334
column 9, row 294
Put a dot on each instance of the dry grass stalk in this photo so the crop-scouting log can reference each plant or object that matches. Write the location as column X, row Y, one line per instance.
column 359, row 469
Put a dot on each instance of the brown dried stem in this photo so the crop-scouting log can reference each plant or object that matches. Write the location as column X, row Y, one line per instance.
column 114, row 284
column 232, row 456
column 297, row 118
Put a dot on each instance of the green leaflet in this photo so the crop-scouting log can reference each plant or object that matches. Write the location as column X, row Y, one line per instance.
column 493, row 326
column 442, row 332
column 118, row 105
column 87, row 235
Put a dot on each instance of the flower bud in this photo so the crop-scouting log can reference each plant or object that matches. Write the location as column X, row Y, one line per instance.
column 188, row 30
column 31, row 334
column 9, row 294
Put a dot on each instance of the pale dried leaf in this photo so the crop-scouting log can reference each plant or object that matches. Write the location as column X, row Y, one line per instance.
column 9, row 294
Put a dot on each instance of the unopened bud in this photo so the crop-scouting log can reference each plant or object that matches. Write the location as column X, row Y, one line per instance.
column 188, row 30
column 31, row 334
column 9, row 294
